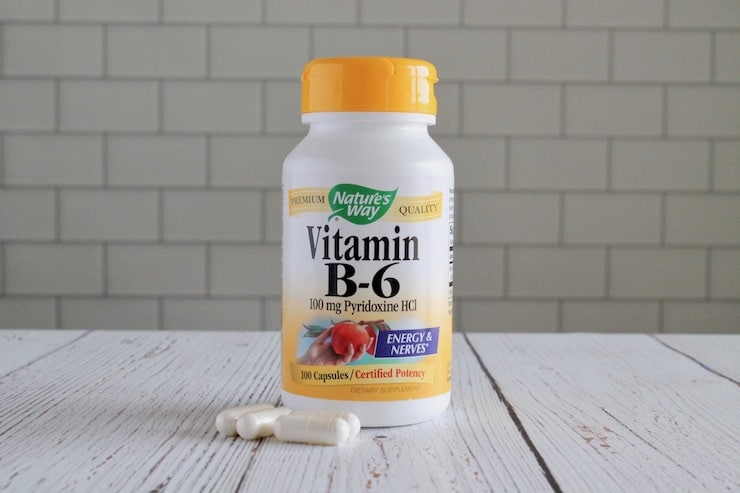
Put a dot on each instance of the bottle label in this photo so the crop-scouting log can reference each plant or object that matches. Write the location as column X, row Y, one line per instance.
column 367, row 286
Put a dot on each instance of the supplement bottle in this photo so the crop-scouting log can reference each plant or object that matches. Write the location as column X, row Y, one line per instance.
column 368, row 245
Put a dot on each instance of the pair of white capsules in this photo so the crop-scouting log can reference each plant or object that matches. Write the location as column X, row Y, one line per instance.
column 263, row 420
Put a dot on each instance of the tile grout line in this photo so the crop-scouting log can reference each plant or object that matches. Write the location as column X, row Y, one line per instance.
column 607, row 272
column 559, row 315
column 712, row 57
column 208, row 48
column 610, row 56
column 207, row 269
column 3, row 269
column 105, row 172
column 104, row 50
column 708, row 273
column 609, row 163
column 160, row 216
column 105, row 255
column 711, row 186
column 57, row 214
column 508, row 60
column 2, row 153
column 563, row 14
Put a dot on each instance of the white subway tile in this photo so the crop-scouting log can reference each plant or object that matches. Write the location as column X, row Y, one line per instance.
column 616, row 317
column 212, row 106
column 448, row 109
column 157, row 51
column 461, row 53
column 212, row 215
column 26, row 214
column 726, row 165
column 479, row 271
column 53, row 160
column 331, row 41
column 410, row 12
column 97, row 106
column 559, row 55
column 704, row 111
column 27, row 10
column 725, row 273
column 479, row 162
column 660, row 165
column 273, row 314
column 703, row 219
column 610, row 13
column 26, row 105
column 703, row 13
column 509, row 218
column 156, row 270
column 557, row 272
column 249, row 161
column 657, row 273
column 245, row 270
column 727, row 57
column 108, row 10
column 239, row 51
column 511, row 110
column 52, row 50
column 312, row 11
column 108, row 215
column 148, row 160
column 558, row 164
column 702, row 318
column 273, row 215
column 507, row 316
column 513, row 13
column 212, row 11
column 27, row 313
column 109, row 313
column 661, row 56
column 283, row 103
column 53, row 269
column 190, row 314
column 613, row 110
column 612, row 219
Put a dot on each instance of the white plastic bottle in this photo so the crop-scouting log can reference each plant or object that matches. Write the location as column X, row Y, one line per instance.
column 368, row 245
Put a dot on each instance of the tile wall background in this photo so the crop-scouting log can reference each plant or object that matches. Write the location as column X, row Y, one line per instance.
column 596, row 142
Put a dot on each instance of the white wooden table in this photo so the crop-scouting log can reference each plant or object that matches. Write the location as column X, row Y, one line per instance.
column 133, row 411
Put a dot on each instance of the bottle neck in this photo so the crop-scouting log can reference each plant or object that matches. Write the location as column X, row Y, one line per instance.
column 369, row 117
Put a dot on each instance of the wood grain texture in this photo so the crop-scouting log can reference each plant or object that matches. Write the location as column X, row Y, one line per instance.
column 134, row 411
column 20, row 347
column 717, row 352
column 619, row 412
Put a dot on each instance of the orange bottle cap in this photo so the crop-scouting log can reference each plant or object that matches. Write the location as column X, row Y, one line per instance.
column 369, row 84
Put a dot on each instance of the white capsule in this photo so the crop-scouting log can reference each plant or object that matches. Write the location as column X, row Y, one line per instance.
column 352, row 420
column 321, row 430
column 258, row 424
column 226, row 419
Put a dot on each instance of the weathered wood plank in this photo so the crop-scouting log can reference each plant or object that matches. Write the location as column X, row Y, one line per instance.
column 474, row 446
column 134, row 412
column 131, row 411
column 717, row 352
column 619, row 412
column 20, row 346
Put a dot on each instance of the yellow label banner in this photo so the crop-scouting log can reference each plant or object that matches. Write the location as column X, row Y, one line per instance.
column 362, row 374
column 425, row 208
column 308, row 200
column 404, row 209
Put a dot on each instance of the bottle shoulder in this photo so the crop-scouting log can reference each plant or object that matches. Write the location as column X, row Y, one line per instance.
column 368, row 152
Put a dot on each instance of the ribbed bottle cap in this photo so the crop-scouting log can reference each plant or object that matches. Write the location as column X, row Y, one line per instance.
column 369, row 84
